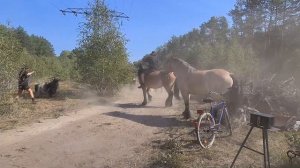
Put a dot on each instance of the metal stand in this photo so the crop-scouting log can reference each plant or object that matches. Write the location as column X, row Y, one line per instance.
column 265, row 147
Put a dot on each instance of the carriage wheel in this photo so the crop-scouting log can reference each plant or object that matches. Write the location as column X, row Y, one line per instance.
column 205, row 130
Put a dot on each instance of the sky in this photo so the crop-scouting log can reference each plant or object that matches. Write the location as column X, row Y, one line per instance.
column 151, row 23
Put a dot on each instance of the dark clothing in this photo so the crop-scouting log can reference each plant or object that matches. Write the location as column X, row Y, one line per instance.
column 150, row 63
column 145, row 67
column 23, row 80
column 145, row 70
column 23, row 87
column 140, row 70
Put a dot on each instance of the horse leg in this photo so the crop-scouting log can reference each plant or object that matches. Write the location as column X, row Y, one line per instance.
column 145, row 96
column 169, row 99
column 186, row 113
column 176, row 91
column 149, row 95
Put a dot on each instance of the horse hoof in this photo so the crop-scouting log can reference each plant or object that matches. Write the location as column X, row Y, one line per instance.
column 186, row 115
column 144, row 103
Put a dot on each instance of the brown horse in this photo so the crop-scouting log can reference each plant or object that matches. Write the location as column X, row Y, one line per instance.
column 196, row 82
column 158, row 79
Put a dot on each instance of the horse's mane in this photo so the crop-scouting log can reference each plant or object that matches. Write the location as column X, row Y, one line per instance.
column 183, row 63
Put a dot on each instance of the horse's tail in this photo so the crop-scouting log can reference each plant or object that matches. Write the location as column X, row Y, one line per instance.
column 176, row 90
column 235, row 83
column 234, row 94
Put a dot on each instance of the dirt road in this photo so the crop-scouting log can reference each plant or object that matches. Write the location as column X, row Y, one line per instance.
column 116, row 134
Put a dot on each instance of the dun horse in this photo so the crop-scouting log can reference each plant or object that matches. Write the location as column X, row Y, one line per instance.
column 158, row 79
column 196, row 82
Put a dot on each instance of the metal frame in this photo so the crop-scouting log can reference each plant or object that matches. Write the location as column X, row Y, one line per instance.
column 214, row 107
column 265, row 153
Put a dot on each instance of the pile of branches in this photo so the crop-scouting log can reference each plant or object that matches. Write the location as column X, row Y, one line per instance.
column 272, row 97
column 277, row 97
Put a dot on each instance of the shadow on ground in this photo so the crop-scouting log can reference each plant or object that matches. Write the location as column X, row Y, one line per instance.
column 134, row 105
column 149, row 120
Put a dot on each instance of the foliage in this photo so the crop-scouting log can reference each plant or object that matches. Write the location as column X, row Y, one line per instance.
column 17, row 49
column 41, row 47
column 103, row 61
column 293, row 139
column 263, row 40
column 34, row 45
column 10, row 51
column 242, row 60
column 271, row 27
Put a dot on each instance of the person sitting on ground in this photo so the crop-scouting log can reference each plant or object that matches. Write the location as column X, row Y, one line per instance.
column 146, row 66
column 23, row 83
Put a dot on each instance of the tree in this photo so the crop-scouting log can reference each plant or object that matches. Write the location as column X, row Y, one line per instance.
column 10, row 51
column 103, row 62
column 24, row 39
column 41, row 47
column 67, row 54
column 215, row 30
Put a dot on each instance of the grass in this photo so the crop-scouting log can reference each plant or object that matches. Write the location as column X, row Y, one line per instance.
column 186, row 152
column 16, row 113
column 293, row 139
column 169, row 156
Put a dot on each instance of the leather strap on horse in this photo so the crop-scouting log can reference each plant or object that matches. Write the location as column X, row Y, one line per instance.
column 292, row 154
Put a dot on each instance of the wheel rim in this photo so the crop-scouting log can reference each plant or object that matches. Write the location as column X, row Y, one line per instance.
column 205, row 130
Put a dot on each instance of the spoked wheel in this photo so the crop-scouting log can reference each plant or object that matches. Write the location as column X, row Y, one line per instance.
column 205, row 130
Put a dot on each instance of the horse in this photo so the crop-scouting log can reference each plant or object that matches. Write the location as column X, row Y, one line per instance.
column 157, row 79
column 199, row 82
column 49, row 88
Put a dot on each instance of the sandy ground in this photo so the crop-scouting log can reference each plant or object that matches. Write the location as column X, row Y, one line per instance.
column 117, row 134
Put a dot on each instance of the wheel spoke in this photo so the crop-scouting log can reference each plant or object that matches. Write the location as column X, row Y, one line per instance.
column 206, row 133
